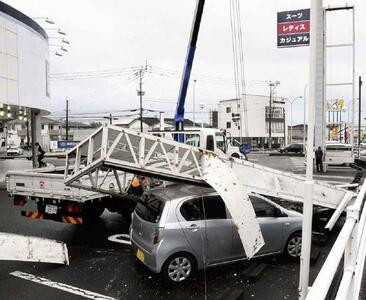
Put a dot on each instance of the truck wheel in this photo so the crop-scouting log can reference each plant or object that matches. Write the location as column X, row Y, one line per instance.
column 93, row 212
column 126, row 216
column 236, row 155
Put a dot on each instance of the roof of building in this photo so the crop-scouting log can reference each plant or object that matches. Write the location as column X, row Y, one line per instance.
column 49, row 121
column 298, row 126
column 75, row 124
column 18, row 15
column 45, row 120
column 152, row 121
column 254, row 95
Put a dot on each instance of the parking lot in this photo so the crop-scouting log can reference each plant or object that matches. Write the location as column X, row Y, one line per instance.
column 109, row 269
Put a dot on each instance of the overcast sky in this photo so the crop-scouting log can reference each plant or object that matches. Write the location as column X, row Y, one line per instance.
column 120, row 34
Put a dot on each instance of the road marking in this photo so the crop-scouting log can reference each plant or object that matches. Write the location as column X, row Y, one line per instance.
column 120, row 238
column 61, row 286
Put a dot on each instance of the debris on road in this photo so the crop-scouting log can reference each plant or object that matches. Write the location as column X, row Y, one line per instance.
column 32, row 249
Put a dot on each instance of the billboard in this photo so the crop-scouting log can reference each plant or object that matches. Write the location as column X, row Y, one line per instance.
column 293, row 28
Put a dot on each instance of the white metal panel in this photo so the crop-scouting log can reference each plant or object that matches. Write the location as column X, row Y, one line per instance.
column 32, row 249
column 235, row 195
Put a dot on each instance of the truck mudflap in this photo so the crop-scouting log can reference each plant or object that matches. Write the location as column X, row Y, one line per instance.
column 57, row 218
column 32, row 249
column 72, row 220
column 32, row 214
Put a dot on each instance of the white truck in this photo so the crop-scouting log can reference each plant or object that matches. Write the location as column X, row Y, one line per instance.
column 207, row 138
column 42, row 194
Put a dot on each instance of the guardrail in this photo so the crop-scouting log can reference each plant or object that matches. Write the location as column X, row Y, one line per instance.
column 351, row 243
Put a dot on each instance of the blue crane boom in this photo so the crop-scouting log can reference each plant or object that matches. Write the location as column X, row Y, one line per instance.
column 179, row 112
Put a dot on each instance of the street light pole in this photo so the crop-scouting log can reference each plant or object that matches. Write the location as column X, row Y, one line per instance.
column 291, row 102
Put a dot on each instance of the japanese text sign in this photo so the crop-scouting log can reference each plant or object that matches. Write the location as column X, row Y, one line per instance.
column 293, row 28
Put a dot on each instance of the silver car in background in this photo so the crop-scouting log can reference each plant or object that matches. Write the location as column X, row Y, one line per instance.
column 180, row 229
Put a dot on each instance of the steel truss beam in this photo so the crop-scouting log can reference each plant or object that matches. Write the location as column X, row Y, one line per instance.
column 111, row 153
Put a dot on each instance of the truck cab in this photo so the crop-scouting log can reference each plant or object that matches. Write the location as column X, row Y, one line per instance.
column 207, row 138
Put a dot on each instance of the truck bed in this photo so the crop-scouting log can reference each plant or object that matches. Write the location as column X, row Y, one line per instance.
column 41, row 184
column 42, row 194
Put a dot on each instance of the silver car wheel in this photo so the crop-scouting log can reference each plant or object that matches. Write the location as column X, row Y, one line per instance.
column 294, row 246
column 179, row 269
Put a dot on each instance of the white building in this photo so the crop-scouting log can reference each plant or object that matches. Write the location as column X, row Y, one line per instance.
column 232, row 118
column 19, row 131
column 24, row 70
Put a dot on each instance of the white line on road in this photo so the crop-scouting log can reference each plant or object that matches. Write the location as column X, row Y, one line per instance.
column 61, row 286
column 120, row 238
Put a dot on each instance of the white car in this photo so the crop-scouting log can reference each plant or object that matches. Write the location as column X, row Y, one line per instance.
column 14, row 150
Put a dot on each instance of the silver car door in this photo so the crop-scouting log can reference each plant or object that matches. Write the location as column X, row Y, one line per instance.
column 218, row 230
column 190, row 216
column 271, row 227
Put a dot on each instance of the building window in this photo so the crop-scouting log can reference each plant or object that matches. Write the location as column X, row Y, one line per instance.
column 228, row 125
column 277, row 127
column 228, row 109
column 42, row 126
column 277, row 112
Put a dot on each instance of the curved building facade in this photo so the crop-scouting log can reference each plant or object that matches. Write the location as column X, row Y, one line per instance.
column 24, row 76
column 24, row 66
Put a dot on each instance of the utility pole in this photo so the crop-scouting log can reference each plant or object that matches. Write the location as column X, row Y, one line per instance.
column 140, row 92
column 110, row 118
column 270, row 118
column 67, row 118
column 359, row 112
column 284, row 126
column 272, row 85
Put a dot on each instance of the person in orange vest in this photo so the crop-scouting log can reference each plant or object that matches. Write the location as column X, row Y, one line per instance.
column 136, row 187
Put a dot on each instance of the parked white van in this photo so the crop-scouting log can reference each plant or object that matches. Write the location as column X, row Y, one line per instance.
column 338, row 154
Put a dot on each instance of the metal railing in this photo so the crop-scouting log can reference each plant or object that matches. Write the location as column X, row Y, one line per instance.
column 350, row 244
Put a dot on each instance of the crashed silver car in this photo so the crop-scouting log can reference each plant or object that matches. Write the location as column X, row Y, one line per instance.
column 179, row 229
